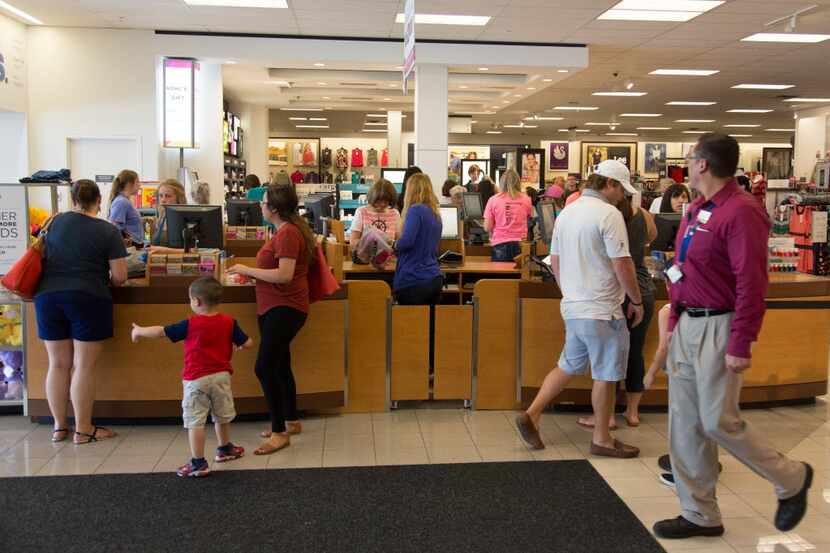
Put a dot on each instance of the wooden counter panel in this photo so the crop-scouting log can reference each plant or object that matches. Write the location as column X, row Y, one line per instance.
column 543, row 337
column 410, row 352
column 368, row 301
column 497, row 355
column 453, row 352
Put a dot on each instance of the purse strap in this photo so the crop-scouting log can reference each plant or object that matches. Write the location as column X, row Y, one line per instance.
column 40, row 241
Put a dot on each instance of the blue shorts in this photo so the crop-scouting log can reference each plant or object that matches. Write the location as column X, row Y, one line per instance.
column 603, row 344
column 73, row 315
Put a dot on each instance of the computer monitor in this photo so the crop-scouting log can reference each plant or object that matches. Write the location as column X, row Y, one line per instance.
column 472, row 206
column 449, row 222
column 244, row 213
column 546, row 212
column 667, row 226
column 317, row 207
column 393, row 175
column 194, row 225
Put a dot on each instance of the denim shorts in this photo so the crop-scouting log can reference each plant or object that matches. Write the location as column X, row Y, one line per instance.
column 505, row 251
column 73, row 315
column 209, row 394
column 603, row 344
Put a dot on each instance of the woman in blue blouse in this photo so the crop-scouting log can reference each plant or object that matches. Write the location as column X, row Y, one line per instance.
column 123, row 213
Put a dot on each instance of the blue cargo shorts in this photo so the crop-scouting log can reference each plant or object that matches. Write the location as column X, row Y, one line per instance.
column 603, row 344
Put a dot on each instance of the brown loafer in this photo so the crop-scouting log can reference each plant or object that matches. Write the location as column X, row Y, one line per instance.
column 528, row 432
column 619, row 451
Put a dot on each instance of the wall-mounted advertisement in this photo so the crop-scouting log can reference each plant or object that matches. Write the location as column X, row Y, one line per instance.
column 13, row 234
column 655, row 158
column 594, row 153
column 180, row 96
column 559, row 156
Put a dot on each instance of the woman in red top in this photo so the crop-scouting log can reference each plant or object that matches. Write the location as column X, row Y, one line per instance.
column 282, row 307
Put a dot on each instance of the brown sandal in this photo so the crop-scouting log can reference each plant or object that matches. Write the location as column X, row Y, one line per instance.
column 291, row 428
column 268, row 449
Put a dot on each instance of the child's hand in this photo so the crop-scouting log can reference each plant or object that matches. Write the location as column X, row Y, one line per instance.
column 136, row 334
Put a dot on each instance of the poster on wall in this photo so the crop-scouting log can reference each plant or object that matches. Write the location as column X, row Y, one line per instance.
column 457, row 154
column 529, row 166
column 277, row 152
column 594, row 153
column 655, row 157
column 13, row 233
column 559, row 156
column 777, row 163
column 180, row 97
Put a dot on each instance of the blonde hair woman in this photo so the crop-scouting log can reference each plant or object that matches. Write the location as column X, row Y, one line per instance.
column 506, row 216
column 418, row 279
column 170, row 192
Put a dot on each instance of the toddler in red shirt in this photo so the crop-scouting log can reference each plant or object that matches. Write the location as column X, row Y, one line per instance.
column 209, row 340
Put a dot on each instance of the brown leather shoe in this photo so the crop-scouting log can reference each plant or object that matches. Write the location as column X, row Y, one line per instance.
column 528, row 432
column 619, row 451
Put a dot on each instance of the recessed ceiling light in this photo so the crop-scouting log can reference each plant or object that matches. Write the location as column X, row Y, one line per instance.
column 318, row 64
column 298, row 118
column 695, row 132
column 318, row 119
column 374, row 130
column 441, row 19
column 749, row 111
column 543, row 118
column 741, row 135
column 641, row 115
column 301, row 109
column 473, row 121
column 599, row 124
column 647, row 15
column 387, row 99
column 495, row 107
column 392, row 85
column 493, row 132
column 780, row 130
column 653, row 128
column 764, row 86
column 659, row 10
column 505, row 101
column 520, row 126
column 547, row 80
column 239, row 3
column 785, row 37
column 682, row 103
column 575, row 108
column 375, row 124
column 20, row 13
column 685, row 72
column 326, row 98
column 312, row 126
column 562, row 71
column 322, row 84
column 694, row 120
column 574, row 130
column 531, row 126
column 620, row 134
column 378, row 115
column 517, row 95
column 484, row 69
column 619, row 93
column 816, row 100
column 531, row 88
column 742, row 126
column 463, row 86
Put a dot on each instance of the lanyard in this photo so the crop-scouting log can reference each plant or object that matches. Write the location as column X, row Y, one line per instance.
column 691, row 231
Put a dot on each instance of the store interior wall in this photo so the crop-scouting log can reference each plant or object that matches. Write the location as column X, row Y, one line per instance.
column 254, row 121
column 14, row 155
column 811, row 130
column 13, row 46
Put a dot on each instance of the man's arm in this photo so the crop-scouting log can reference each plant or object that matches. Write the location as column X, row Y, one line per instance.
column 627, row 276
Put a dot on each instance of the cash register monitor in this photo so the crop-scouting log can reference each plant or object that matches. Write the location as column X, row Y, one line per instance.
column 472, row 206
column 244, row 213
column 449, row 222
column 191, row 226
column 667, row 226
column 318, row 206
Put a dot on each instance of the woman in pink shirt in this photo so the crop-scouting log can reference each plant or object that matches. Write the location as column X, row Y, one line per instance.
column 505, row 217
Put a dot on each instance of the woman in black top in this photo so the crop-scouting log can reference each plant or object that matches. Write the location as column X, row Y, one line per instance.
column 73, row 304
column 414, row 170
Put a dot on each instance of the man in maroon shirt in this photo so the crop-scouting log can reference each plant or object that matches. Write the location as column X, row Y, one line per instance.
column 719, row 284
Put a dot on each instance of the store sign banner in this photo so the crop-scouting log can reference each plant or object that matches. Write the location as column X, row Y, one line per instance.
column 408, row 41
column 180, row 77
column 12, row 226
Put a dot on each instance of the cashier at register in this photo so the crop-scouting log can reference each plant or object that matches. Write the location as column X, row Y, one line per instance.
column 170, row 192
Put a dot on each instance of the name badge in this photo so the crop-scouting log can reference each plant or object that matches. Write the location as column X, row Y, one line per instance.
column 674, row 273
column 703, row 216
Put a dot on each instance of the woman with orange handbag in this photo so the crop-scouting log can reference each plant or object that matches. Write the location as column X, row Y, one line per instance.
column 73, row 304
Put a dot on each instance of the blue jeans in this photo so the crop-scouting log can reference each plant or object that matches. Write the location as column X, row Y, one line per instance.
column 505, row 251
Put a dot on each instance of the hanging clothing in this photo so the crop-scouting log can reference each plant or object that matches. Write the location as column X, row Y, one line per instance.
column 325, row 157
column 327, row 178
column 355, row 177
column 357, row 157
column 297, row 177
column 342, row 160
column 384, row 158
column 372, row 158
column 308, row 154
column 282, row 178
column 312, row 178
column 297, row 153
column 801, row 228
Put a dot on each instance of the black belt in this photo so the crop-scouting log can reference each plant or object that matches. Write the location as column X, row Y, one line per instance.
column 696, row 312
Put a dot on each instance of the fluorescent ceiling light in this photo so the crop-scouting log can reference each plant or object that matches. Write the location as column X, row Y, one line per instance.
column 641, row 115
column 619, row 93
column 239, row 3
column 231, row 62
column 377, row 115
column 531, row 126
column 741, row 135
column 322, row 84
column 387, row 99
column 695, row 132
column 312, row 126
column 764, row 86
column 514, row 126
column 685, row 72
column 484, row 69
column 780, row 130
column 817, row 100
column 20, row 13
column 620, row 134
column 441, row 19
column 785, row 37
column 326, row 98
column 659, row 10
column 547, row 80
column 375, row 124
column 749, row 111
column 463, row 86
column 531, row 88
column 742, row 126
column 374, row 130
column 694, row 121
column 318, row 64
column 653, row 128
column 562, row 71
column 301, row 109
column 599, row 124
column 574, row 130
column 542, row 118
column 682, row 103
column 647, row 15
column 493, row 132
column 298, row 118
column 575, row 108
column 318, row 119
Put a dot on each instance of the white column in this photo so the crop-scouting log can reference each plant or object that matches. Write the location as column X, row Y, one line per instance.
column 394, row 123
column 431, row 122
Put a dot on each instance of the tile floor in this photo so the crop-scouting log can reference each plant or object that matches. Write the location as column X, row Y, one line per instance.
column 457, row 436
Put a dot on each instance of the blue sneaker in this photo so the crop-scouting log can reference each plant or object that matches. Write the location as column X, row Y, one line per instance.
column 195, row 468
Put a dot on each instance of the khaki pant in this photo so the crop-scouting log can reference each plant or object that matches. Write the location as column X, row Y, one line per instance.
column 704, row 414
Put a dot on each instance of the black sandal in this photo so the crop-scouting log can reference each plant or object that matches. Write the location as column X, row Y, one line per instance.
column 94, row 436
column 55, row 439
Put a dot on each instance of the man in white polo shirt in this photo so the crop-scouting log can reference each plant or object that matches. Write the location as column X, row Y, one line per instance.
column 592, row 264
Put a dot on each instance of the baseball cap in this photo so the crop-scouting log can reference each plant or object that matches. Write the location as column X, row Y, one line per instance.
column 613, row 169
